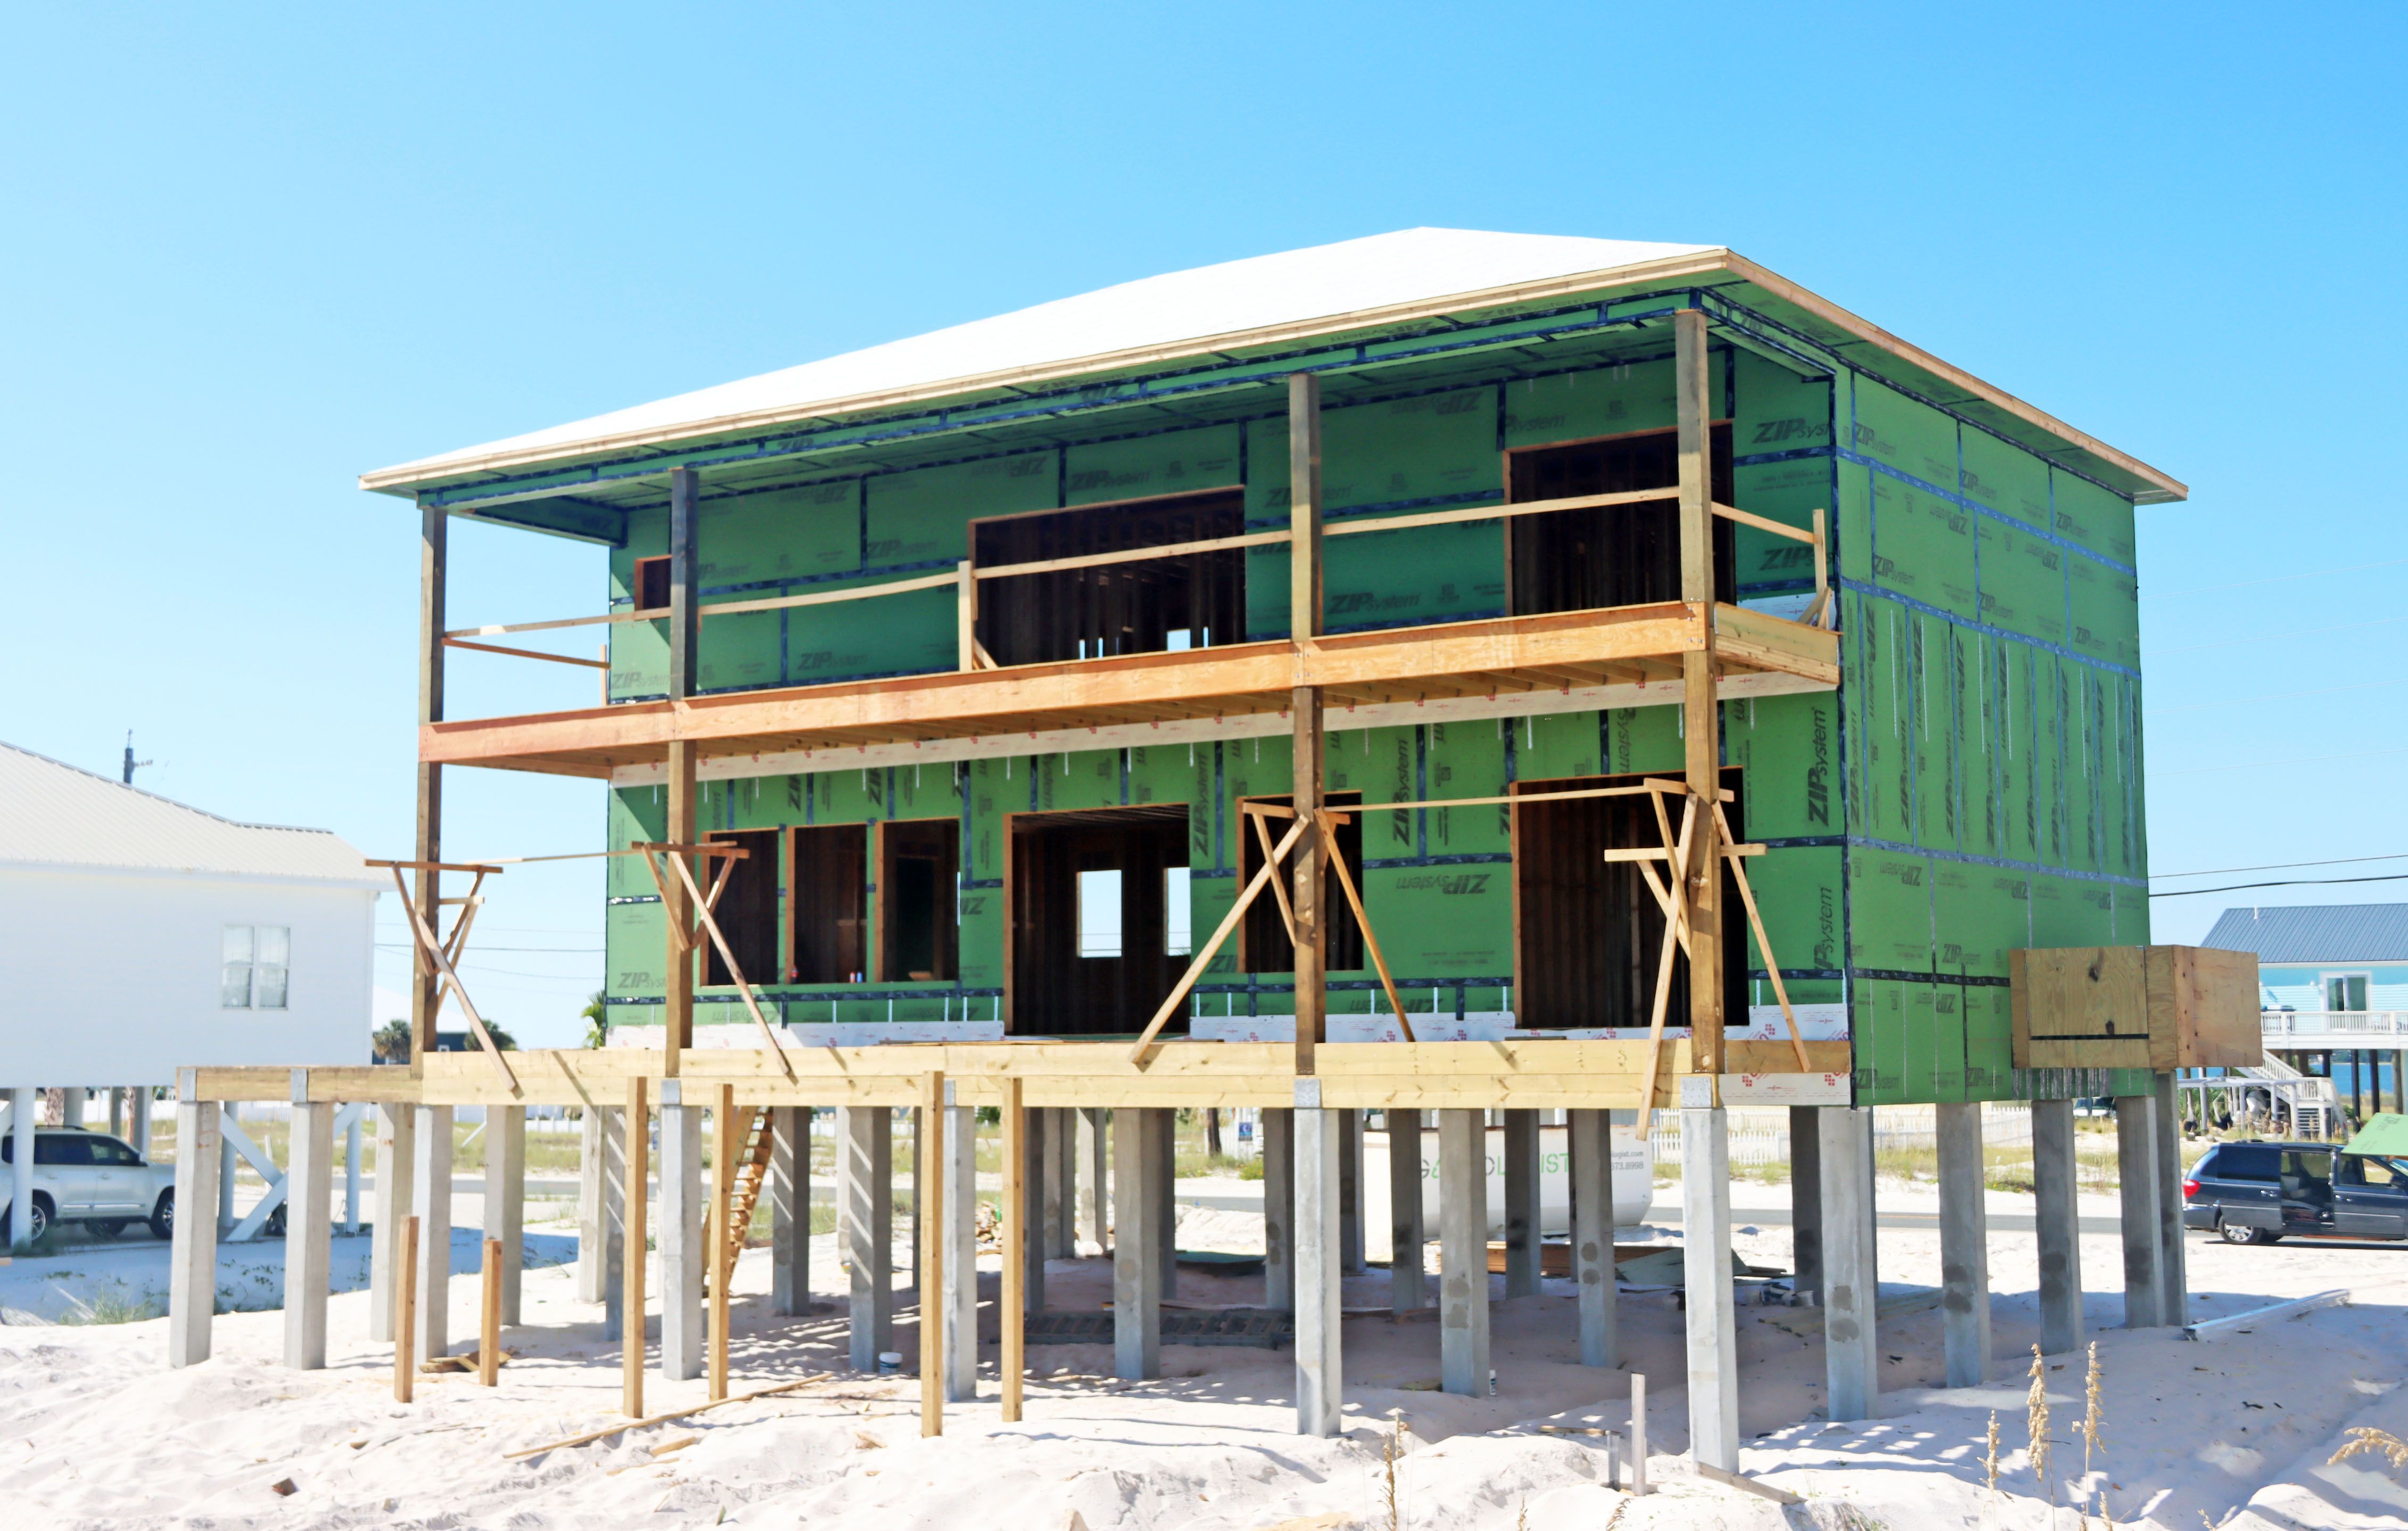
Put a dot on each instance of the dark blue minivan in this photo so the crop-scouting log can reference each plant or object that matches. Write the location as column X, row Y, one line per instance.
column 2256, row 1193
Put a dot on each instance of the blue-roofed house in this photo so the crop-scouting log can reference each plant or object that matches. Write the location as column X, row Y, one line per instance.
column 2333, row 979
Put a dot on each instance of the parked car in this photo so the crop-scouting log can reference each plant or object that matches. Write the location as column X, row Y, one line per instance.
column 92, row 1178
column 2257, row 1193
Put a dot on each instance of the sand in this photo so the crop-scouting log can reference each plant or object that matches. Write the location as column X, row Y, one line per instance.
column 94, row 1431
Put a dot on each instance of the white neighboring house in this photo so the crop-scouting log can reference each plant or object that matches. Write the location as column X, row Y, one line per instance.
column 142, row 935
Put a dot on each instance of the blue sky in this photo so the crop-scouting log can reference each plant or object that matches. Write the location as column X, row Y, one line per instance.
column 252, row 251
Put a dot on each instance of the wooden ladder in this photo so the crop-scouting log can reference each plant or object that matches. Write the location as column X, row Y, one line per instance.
column 750, row 1178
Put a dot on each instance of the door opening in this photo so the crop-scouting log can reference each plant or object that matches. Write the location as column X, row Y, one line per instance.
column 1610, row 554
column 1097, row 911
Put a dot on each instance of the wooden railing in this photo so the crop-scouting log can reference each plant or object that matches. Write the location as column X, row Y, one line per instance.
column 965, row 578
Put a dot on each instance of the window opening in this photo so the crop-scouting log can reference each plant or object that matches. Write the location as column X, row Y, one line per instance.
column 2345, row 991
column 918, row 911
column 1100, row 912
column 747, row 910
column 1612, row 554
column 1263, row 944
column 652, row 583
column 1589, row 935
column 255, row 968
column 1177, row 926
column 828, row 877
column 1144, row 606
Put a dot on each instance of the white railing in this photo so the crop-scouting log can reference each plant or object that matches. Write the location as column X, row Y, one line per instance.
column 2359, row 1027
column 1762, row 1138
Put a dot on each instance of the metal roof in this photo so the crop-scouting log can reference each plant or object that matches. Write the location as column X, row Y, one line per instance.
column 53, row 814
column 2315, row 932
column 1408, row 275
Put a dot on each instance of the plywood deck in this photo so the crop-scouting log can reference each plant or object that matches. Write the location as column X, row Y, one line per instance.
column 1457, row 660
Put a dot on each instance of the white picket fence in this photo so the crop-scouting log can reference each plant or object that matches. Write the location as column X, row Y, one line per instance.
column 1762, row 1138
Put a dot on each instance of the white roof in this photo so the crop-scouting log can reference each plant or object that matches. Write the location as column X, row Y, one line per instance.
column 52, row 814
column 1295, row 286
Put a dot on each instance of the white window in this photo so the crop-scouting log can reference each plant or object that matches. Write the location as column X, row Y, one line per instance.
column 1178, row 935
column 257, row 968
column 2345, row 991
column 1099, row 914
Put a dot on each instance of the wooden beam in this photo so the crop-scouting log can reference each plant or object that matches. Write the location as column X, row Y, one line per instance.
column 1763, row 942
column 965, row 644
column 404, row 1316
column 685, row 576
column 1328, row 823
column 1308, row 922
column 1354, row 526
column 1203, row 959
column 677, row 1007
column 434, row 574
column 728, row 955
column 430, row 950
column 1702, row 709
column 719, row 1237
column 1133, row 556
column 928, row 1194
column 450, row 642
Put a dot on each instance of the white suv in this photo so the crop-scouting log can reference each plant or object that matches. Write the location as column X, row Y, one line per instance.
column 91, row 1179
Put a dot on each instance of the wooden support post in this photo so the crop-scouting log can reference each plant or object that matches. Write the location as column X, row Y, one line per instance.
column 1701, row 713
column 396, row 1171
column 506, row 1196
column 193, row 1275
column 489, row 1318
column 639, row 1127
column 434, row 558
column 405, row 1314
column 929, row 1195
column 1017, row 1236
column 720, row 1237
column 432, row 1209
column 1304, row 626
column 685, row 670
column 966, row 617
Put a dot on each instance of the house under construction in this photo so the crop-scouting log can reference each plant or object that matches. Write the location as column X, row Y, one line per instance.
column 1444, row 672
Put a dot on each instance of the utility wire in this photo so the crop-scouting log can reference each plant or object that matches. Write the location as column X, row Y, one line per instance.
column 2229, row 701
column 2268, row 764
column 559, row 950
column 2273, row 638
column 2272, row 580
column 2281, row 866
column 2288, row 882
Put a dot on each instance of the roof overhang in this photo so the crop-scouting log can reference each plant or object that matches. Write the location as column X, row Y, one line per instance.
column 1801, row 326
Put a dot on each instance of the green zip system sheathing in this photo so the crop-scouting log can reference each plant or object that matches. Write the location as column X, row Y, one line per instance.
column 1972, row 787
